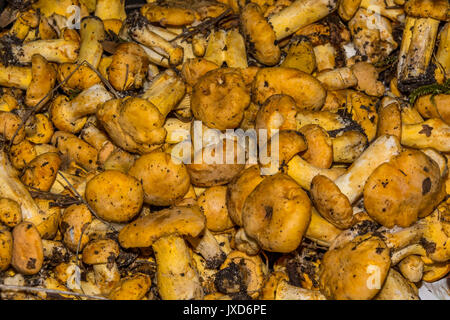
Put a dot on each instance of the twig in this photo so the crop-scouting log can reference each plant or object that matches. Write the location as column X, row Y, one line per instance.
column 204, row 26
column 60, row 292
column 61, row 200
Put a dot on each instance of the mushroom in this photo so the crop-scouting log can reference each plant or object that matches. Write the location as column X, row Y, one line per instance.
column 219, row 99
column 11, row 127
column 128, row 67
column 40, row 173
column 239, row 189
column 396, row 287
column 320, row 150
column 307, row 92
column 303, row 172
column 70, row 115
column 163, row 230
column 419, row 36
column 389, row 118
column 6, row 248
column 75, row 149
column 134, row 124
column 92, row 32
column 412, row 268
column 12, row 188
column 278, row 222
column 259, row 35
column 110, row 9
column 101, row 254
column 115, row 196
column 213, row 204
column 300, row 56
column 43, row 78
column 10, row 212
column 432, row 133
column 434, row 106
column 39, row 129
column 216, row 164
column 443, row 52
column 372, row 35
column 53, row 50
column 241, row 273
column 356, row 271
column 74, row 222
column 27, row 251
column 164, row 181
column 133, row 287
column 333, row 200
column 401, row 191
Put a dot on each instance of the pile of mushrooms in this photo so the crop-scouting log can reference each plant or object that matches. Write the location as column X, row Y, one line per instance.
column 96, row 202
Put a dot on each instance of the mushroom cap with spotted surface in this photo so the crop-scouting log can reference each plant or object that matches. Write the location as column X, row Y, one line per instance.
column 277, row 213
column 347, row 273
column 403, row 190
column 115, row 196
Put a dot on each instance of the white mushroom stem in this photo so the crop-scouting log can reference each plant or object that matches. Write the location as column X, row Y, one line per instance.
column 165, row 91
column 87, row 101
column 338, row 79
column 286, row 291
column 236, row 54
column 299, row 14
column 148, row 38
column 380, row 151
column 215, row 49
column 155, row 57
column 303, row 172
column 12, row 188
column 91, row 32
column 53, row 50
column 176, row 277
column 417, row 47
column 414, row 249
column 206, row 245
column 15, row 77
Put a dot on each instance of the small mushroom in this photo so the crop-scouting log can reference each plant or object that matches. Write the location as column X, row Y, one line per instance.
column 163, row 230
column 101, row 254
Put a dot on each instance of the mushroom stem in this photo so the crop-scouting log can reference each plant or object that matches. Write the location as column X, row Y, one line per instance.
column 303, row 172
column 286, row 291
column 417, row 48
column 53, row 50
column 380, row 151
column 176, row 277
column 215, row 49
column 91, row 32
column 299, row 14
column 165, row 91
column 443, row 52
column 320, row 230
column 15, row 76
column 206, row 245
column 145, row 35
column 414, row 249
